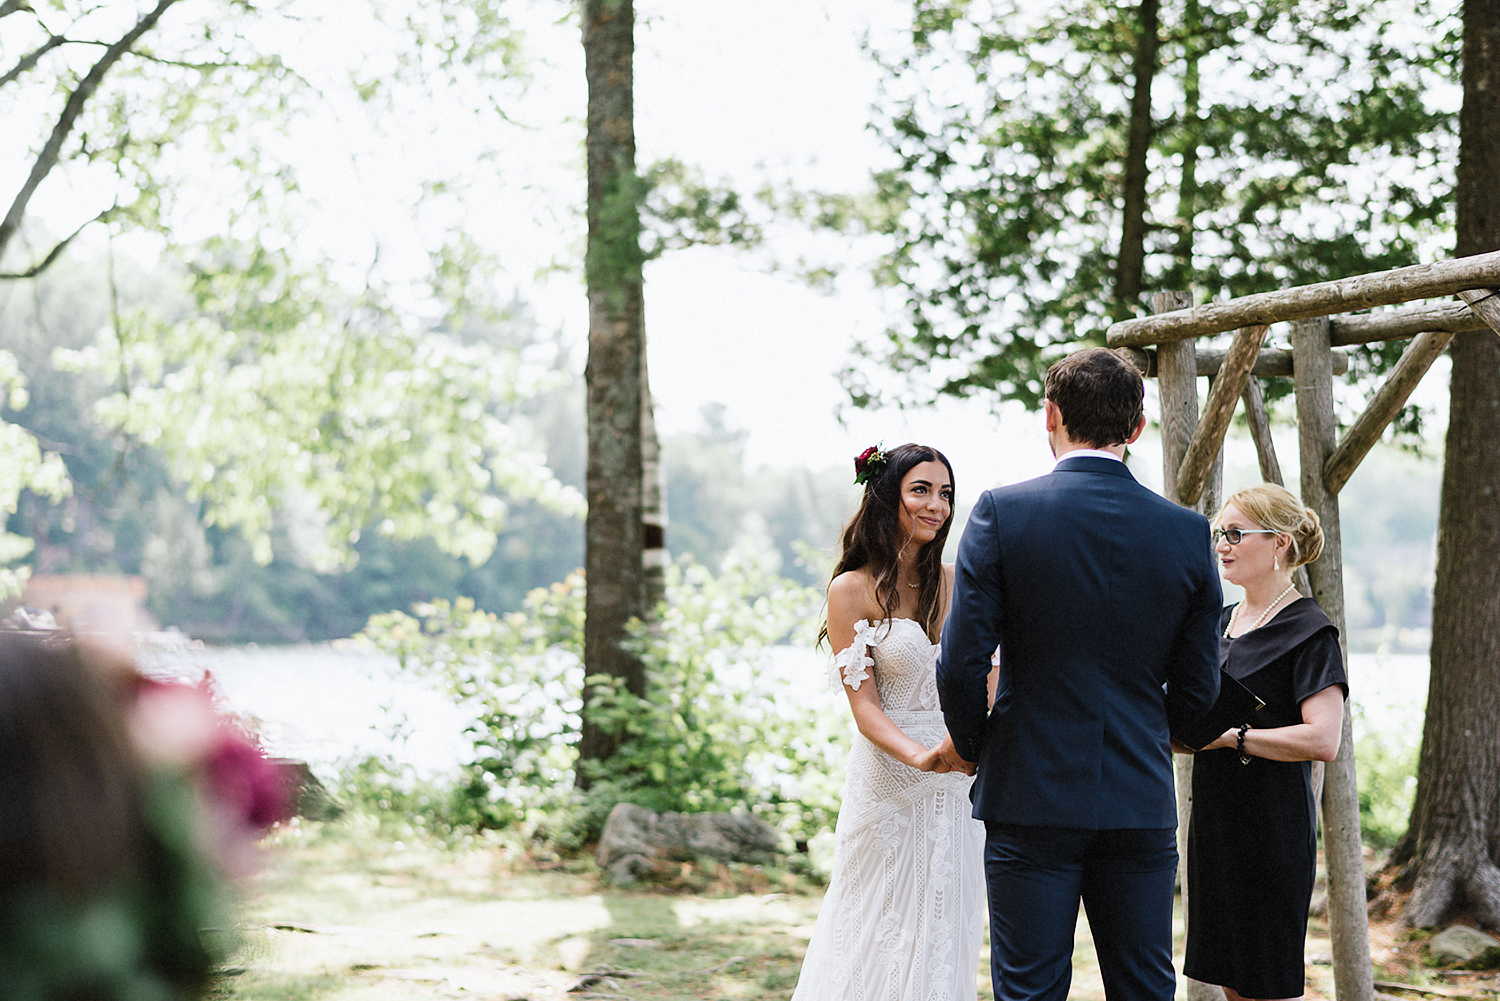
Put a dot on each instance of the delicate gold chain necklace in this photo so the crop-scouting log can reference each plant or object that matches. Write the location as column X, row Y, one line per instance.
column 1235, row 615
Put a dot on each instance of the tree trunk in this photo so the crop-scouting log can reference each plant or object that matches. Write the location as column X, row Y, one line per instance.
column 654, row 552
column 614, row 377
column 1131, row 262
column 1449, row 855
column 1182, row 274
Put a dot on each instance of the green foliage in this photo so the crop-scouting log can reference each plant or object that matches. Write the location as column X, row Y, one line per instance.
column 275, row 382
column 1292, row 142
column 1387, row 765
column 713, row 733
column 277, row 391
column 683, row 210
column 23, row 466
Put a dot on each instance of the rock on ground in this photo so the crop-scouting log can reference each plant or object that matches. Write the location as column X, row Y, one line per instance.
column 1470, row 946
column 635, row 837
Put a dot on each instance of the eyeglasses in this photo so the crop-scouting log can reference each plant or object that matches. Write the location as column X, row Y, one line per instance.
column 1234, row 536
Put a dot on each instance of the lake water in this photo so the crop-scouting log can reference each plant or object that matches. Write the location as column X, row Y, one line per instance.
column 331, row 704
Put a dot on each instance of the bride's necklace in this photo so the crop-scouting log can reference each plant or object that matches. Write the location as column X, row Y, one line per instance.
column 1235, row 615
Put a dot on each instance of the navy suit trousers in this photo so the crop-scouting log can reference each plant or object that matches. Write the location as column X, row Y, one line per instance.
column 1125, row 879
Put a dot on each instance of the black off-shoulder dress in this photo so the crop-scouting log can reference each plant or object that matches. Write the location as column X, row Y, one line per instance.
column 1252, row 841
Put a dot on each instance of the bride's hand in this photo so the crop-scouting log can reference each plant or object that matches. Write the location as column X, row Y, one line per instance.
column 931, row 760
column 951, row 757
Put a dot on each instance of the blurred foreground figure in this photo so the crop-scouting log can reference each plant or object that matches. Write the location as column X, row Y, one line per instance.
column 124, row 805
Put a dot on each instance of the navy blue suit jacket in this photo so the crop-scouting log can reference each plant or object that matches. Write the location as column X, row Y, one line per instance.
column 1104, row 600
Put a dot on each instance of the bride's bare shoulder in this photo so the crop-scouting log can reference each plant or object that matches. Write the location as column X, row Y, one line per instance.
column 851, row 596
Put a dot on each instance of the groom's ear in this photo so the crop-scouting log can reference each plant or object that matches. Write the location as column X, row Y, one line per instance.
column 1139, row 427
column 1052, row 415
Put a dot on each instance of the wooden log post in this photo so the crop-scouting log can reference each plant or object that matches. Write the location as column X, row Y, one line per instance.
column 1342, row 846
column 1177, row 380
column 1260, row 433
column 1383, row 407
column 1270, row 471
column 1177, row 385
column 1223, row 395
column 1486, row 304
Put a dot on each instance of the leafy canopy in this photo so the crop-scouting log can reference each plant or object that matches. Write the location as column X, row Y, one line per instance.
column 1292, row 141
column 302, row 366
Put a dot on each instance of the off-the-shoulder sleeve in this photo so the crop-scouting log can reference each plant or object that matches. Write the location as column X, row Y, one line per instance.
column 850, row 664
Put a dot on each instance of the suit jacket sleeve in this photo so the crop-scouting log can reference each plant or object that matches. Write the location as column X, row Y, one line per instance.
column 972, row 632
column 1193, row 665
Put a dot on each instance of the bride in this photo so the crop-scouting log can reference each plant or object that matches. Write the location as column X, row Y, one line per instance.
column 904, row 914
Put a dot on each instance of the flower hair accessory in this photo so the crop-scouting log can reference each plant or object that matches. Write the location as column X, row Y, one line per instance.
column 869, row 463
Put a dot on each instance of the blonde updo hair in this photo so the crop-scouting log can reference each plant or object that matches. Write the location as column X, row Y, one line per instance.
column 1278, row 509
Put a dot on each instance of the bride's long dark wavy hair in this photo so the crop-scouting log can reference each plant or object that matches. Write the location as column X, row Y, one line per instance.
column 873, row 539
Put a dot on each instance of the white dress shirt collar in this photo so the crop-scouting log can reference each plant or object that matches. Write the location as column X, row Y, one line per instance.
column 1093, row 453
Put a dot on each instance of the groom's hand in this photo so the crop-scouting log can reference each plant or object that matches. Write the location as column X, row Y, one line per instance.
column 950, row 757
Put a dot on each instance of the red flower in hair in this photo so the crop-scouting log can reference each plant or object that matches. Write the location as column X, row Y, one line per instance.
column 869, row 463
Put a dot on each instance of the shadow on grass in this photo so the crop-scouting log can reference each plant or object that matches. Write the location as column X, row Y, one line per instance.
column 661, row 947
column 276, row 986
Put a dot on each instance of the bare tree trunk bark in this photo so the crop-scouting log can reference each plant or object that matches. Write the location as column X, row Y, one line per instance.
column 615, row 376
column 1449, row 855
column 1131, row 263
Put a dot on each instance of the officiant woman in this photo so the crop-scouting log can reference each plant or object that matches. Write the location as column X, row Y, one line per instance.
column 1252, row 841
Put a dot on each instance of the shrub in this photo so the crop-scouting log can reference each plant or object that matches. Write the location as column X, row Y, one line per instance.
column 1387, row 766
column 714, row 732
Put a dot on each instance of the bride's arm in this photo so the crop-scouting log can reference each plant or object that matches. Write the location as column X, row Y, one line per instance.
column 847, row 598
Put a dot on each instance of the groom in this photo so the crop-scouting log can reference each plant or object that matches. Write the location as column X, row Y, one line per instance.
column 1104, row 600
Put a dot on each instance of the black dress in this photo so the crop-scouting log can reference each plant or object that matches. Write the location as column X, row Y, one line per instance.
column 1252, row 841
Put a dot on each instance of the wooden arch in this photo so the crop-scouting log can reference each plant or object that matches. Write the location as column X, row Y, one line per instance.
column 1164, row 345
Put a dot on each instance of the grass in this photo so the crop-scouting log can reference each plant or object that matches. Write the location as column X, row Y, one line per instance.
column 344, row 913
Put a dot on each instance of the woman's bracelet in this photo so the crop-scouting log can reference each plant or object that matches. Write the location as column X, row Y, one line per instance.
column 1240, row 743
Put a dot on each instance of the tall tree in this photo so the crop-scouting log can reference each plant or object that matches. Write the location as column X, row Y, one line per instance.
column 1055, row 164
column 1450, row 856
column 615, row 375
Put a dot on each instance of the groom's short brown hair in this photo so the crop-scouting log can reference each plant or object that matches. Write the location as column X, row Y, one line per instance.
column 1099, row 395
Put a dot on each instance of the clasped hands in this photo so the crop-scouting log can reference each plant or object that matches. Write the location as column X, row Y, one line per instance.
column 944, row 758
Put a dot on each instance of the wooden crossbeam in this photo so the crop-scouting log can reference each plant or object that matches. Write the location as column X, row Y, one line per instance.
column 1388, row 400
column 1486, row 303
column 1270, row 362
column 1398, row 324
column 1208, row 436
column 1346, row 295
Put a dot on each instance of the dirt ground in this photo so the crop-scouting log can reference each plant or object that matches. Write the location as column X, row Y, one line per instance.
column 359, row 918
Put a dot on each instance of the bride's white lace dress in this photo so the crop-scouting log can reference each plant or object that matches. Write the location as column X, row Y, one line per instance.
column 904, row 914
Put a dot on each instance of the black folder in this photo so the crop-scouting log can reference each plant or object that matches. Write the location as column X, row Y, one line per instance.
column 1236, row 705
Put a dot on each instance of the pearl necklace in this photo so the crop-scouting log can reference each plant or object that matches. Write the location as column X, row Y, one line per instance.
column 1235, row 616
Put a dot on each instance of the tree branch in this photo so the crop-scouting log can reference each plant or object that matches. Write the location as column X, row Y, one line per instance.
column 52, row 151
column 56, row 251
column 32, row 58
